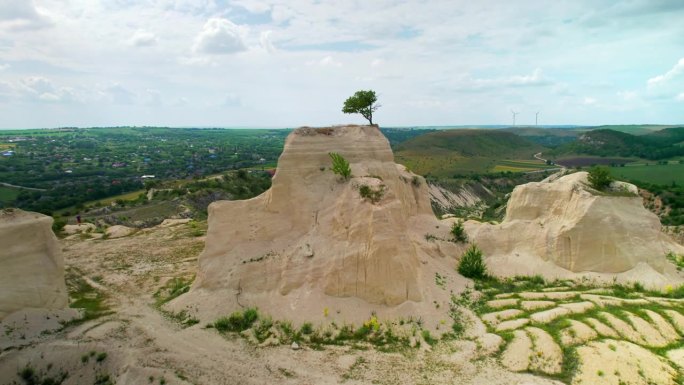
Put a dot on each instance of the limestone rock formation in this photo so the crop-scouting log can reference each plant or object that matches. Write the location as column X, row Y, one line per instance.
column 562, row 228
column 31, row 265
column 312, row 247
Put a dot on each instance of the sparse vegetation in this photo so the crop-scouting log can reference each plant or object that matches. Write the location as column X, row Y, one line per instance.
column 31, row 376
column 340, row 166
column 238, row 321
column 678, row 260
column 372, row 194
column 471, row 264
column 458, row 232
column 600, row 178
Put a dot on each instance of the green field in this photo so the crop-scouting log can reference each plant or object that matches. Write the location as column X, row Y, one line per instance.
column 8, row 194
column 652, row 173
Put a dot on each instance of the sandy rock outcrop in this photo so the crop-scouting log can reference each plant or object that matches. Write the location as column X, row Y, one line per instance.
column 311, row 247
column 31, row 264
column 561, row 228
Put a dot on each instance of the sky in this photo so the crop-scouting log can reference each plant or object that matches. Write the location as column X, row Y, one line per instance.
column 290, row 63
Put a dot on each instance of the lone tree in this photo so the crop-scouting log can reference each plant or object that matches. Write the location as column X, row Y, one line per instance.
column 362, row 102
column 599, row 177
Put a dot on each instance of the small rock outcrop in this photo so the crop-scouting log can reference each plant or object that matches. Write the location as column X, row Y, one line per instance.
column 561, row 228
column 31, row 264
column 312, row 247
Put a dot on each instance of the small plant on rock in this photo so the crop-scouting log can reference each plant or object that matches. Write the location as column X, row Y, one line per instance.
column 238, row 321
column 371, row 194
column 340, row 166
column 457, row 230
column 472, row 265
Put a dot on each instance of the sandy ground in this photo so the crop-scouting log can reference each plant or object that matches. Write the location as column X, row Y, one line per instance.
column 137, row 344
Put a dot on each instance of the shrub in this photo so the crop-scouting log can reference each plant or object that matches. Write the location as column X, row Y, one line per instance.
column 458, row 232
column 238, row 321
column 372, row 195
column 340, row 166
column 599, row 177
column 472, row 265
column 306, row 328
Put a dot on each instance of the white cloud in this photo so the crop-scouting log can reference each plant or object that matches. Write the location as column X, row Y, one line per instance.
column 117, row 94
column 628, row 95
column 668, row 76
column 589, row 101
column 21, row 15
column 377, row 62
column 231, row 100
column 143, row 38
column 680, row 97
column 220, row 36
column 44, row 90
column 535, row 79
column 265, row 41
column 4, row 66
column 327, row 61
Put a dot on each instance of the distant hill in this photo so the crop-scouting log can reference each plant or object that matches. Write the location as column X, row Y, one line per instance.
column 661, row 144
column 471, row 143
column 547, row 137
column 446, row 153
column 634, row 129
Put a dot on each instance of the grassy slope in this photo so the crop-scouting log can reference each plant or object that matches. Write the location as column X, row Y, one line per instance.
column 653, row 173
column 449, row 152
column 612, row 143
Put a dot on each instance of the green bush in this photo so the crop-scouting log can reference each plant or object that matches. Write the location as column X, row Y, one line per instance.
column 599, row 177
column 472, row 265
column 237, row 321
column 372, row 195
column 458, row 232
column 307, row 328
column 340, row 166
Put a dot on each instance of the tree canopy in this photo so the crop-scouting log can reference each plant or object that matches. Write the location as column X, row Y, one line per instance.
column 362, row 102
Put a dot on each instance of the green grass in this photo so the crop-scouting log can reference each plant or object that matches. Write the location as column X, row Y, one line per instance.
column 84, row 296
column 653, row 173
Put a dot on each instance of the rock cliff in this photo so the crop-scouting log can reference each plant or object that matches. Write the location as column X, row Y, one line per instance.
column 31, row 264
column 563, row 228
column 313, row 247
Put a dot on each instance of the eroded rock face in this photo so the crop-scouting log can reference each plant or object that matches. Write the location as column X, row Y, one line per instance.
column 31, row 265
column 312, row 241
column 563, row 223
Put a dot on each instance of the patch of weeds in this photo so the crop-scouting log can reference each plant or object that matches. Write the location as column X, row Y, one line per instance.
column 286, row 373
column 103, row 379
column 173, row 288
column 430, row 237
column 372, row 194
column 472, row 264
column 427, row 337
column 84, row 296
column 182, row 317
column 101, row 357
column 354, row 370
column 440, row 280
column 306, row 328
column 678, row 260
column 31, row 376
column 458, row 232
column 260, row 258
column 238, row 321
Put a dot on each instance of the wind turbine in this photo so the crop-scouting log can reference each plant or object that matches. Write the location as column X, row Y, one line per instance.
column 536, row 119
column 514, row 115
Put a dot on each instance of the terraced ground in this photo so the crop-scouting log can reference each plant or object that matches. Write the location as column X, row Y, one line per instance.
column 584, row 335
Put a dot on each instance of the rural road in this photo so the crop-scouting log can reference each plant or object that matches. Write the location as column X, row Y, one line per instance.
column 22, row 187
